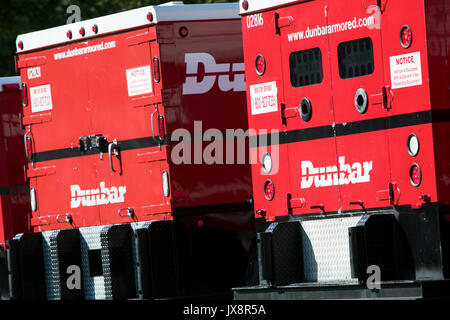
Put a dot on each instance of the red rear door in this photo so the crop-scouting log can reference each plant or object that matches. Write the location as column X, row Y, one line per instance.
column 56, row 116
column 125, row 99
column 309, row 109
column 360, row 114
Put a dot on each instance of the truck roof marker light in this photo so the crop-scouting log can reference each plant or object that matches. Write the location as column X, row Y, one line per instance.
column 269, row 190
column 24, row 94
column 413, row 145
column 183, row 32
column 69, row 34
column 415, row 175
column 95, row 28
column 156, row 71
column 245, row 5
column 82, row 32
column 260, row 65
column 20, row 45
column 406, row 36
column 150, row 17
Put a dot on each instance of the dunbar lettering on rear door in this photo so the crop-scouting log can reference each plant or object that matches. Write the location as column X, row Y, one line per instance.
column 96, row 197
column 333, row 176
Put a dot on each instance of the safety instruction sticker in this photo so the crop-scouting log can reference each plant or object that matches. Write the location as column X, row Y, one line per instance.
column 406, row 70
column 41, row 98
column 264, row 97
column 139, row 81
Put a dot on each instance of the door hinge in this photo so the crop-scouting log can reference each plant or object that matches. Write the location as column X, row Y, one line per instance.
column 385, row 98
column 35, row 119
column 282, row 22
column 39, row 172
column 392, row 194
column 287, row 113
column 382, row 5
column 294, row 203
column 31, row 62
column 147, row 36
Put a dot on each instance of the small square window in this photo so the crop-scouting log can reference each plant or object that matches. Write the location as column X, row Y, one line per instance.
column 355, row 58
column 306, row 67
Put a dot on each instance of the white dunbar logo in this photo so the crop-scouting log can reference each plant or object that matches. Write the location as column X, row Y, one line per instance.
column 96, row 197
column 212, row 72
column 333, row 176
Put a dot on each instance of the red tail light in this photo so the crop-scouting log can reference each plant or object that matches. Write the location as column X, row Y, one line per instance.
column 269, row 190
column 95, row 28
column 69, row 34
column 245, row 5
column 406, row 37
column 150, row 17
column 260, row 65
column 82, row 32
column 156, row 71
column 161, row 128
column 24, row 94
column 20, row 45
column 415, row 175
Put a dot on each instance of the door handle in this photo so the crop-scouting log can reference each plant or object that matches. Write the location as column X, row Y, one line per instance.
column 113, row 147
column 153, row 127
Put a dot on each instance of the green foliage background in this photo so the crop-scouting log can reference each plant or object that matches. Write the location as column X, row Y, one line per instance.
column 23, row 16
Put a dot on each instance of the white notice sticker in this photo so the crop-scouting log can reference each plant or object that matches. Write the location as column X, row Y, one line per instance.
column 41, row 98
column 139, row 81
column 263, row 97
column 406, row 70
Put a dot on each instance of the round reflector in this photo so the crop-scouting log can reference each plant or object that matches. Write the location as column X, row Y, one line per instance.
column 150, row 17
column 269, row 190
column 267, row 163
column 33, row 200
column 260, row 65
column 165, row 181
column 82, row 32
column 245, row 5
column 183, row 32
column 413, row 145
column 20, row 45
column 406, row 37
column 415, row 175
column 69, row 34
column 95, row 28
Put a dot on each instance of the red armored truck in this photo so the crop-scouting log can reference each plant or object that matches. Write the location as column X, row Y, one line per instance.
column 121, row 196
column 354, row 191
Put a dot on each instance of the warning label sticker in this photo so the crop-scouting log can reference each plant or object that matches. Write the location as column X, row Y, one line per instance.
column 264, row 97
column 406, row 70
column 41, row 98
column 139, row 81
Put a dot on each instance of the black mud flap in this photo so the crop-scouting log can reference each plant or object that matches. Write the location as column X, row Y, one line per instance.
column 117, row 262
column 280, row 253
column 377, row 242
column 26, row 267
column 158, row 275
column 66, row 261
